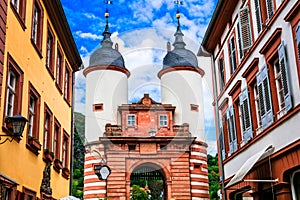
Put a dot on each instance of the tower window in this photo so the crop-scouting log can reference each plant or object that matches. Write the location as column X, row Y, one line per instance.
column 98, row 107
column 194, row 107
column 131, row 147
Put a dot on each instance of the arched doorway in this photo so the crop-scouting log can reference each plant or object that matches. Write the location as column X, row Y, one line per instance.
column 151, row 179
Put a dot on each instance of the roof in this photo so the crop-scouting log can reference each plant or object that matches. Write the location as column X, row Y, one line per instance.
column 222, row 15
column 62, row 28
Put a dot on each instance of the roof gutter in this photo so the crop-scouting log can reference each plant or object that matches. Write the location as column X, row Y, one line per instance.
column 212, row 23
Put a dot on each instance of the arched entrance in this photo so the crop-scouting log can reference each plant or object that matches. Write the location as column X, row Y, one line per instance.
column 151, row 179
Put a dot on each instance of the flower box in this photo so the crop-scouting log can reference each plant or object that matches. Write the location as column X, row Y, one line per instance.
column 34, row 143
column 48, row 156
column 57, row 165
column 66, row 173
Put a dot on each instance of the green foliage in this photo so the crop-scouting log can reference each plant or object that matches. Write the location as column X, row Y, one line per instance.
column 78, row 161
column 213, row 176
column 138, row 194
column 156, row 187
column 142, row 183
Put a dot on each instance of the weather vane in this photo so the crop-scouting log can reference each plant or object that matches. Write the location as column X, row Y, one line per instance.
column 106, row 10
column 178, row 2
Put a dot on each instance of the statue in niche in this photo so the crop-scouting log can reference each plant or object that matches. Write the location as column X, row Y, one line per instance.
column 45, row 187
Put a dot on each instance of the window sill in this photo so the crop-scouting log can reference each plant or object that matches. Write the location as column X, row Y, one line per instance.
column 58, row 87
column 50, row 72
column 32, row 149
column 19, row 18
column 68, row 101
column 37, row 49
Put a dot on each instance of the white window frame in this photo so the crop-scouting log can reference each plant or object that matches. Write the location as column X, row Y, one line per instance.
column 163, row 120
column 31, row 110
column 131, row 120
column 35, row 23
column 11, row 93
column 16, row 4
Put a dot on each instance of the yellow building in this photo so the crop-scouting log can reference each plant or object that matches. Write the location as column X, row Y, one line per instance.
column 38, row 58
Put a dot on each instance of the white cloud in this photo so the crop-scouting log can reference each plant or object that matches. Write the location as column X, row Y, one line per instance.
column 83, row 49
column 87, row 35
column 90, row 16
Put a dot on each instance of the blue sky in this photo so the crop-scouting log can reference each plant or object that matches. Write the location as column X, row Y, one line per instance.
column 141, row 28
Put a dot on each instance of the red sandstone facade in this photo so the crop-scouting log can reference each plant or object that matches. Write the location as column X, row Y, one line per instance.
column 170, row 151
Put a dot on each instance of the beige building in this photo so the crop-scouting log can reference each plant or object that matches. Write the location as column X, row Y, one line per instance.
column 38, row 58
column 254, row 48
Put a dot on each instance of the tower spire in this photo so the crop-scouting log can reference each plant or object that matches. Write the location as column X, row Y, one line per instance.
column 106, row 42
column 179, row 43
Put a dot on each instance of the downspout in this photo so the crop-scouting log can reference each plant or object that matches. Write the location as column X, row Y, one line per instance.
column 72, row 133
column 72, row 129
column 203, row 52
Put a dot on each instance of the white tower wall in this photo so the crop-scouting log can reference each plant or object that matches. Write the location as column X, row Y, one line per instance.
column 181, row 89
column 107, row 87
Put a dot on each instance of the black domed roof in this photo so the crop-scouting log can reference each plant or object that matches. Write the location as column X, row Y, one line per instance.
column 106, row 55
column 179, row 56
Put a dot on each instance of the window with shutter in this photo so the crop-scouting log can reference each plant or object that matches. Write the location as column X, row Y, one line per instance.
column 241, row 52
column 284, row 77
column 258, row 15
column 231, row 130
column 232, row 54
column 270, row 8
column 221, row 73
column 264, row 95
column 245, row 28
column 245, row 115
column 221, row 142
column 298, row 40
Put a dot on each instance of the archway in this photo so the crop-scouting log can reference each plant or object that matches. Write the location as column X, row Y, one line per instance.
column 150, row 178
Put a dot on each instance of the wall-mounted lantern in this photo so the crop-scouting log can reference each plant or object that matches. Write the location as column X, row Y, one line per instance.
column 16, row 125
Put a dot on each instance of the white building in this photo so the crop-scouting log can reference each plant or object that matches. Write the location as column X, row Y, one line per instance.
column 254, row 46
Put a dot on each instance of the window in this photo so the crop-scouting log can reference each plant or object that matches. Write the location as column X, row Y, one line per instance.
column 47, row 128
column 29, row 194
column 163, row 120
column 98, row 107
column 131, row 120
column 270, row 9
column 298, row 47
column 241, row 52
column 264, row 96
column 257, row 109
column 59, row 68
column 295, row 183
column 246, row 116
column 221, row 73
column 65, row 150
column 67, row 85
column 245, row 28
column 131, row 147
column 19, row 6
column 33, row 112
column 194, row 108
column 232, row 54
column 50, row 51
column 37, row 25
column 258, row 16
column 13, row 89
column 221, row 141
column 231, row 129
column 56, row 139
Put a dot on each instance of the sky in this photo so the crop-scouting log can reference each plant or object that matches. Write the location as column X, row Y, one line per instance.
column 142, row 29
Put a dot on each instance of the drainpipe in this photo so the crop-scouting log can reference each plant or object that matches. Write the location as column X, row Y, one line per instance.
column 204, row 53
column 72, row 133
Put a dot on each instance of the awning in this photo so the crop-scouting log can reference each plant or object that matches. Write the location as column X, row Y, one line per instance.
column 239, row 176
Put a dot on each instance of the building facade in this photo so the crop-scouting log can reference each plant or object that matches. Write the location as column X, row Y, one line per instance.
column 254, row 48
column 38, row 58
column 157, row 146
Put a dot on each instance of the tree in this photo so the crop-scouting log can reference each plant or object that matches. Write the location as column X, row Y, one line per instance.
column 213, row 176
column 138, row 194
